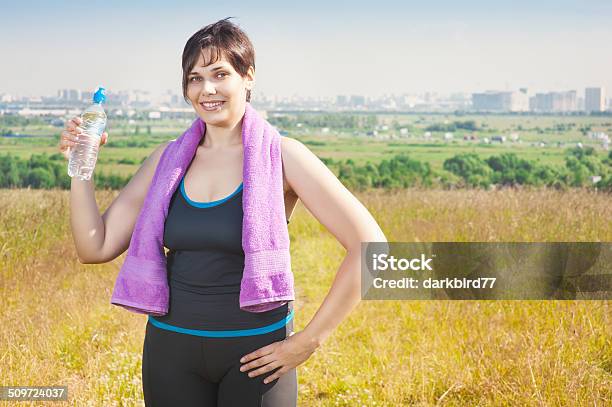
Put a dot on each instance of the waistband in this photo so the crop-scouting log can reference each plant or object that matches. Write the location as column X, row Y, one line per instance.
column 223, row 334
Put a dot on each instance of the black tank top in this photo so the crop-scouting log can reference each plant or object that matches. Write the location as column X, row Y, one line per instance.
column 205, row 266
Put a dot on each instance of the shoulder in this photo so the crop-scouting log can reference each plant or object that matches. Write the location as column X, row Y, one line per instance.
column 301, row 165
column 162, row 147
column 155, row 156
column 326, row 198
column 293, row 148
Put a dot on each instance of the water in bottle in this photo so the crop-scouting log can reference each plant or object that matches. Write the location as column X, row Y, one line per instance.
column 84, row 153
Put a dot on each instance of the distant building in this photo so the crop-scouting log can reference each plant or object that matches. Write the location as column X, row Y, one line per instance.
column 42, row 112
column 493, row 101
column 69, row 94
column 120, row 98
column 594, row 99
column 554, row 102
column 87, row 96
column 603, row 137
column 598, row 135
column 357, row 101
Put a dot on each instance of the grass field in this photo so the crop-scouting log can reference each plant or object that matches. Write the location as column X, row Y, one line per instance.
column 58, row 327
column 344, row 144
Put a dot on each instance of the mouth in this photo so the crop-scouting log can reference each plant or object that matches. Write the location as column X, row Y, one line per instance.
column 212, row 106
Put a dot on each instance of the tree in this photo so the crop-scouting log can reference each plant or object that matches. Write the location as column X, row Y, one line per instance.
column 509, row 169
column 40, row 178
column 471, row 168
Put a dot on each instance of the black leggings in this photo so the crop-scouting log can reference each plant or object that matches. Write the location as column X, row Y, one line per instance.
column 186, row 370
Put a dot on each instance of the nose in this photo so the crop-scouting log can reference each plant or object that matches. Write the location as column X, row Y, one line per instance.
column 208, row 88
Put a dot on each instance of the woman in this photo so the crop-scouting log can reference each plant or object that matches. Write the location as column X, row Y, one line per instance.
column 198, row 353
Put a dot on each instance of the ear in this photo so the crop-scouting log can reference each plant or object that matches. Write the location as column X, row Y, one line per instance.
column 250, row 77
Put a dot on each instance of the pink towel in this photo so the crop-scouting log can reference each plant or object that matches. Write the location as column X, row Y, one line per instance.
column 267, row 281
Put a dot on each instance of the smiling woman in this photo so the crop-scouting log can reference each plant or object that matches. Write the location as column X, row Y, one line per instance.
column 209, row 340
column 218, row 73
column 206, row 258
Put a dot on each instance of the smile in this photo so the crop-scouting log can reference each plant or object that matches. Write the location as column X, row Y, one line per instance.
column 212, row 106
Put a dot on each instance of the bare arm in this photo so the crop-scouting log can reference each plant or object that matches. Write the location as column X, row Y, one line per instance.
column 99, row 239
column 350, row 222
column 346, row 218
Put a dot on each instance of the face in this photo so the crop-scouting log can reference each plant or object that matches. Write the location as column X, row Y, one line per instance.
column 218, row 82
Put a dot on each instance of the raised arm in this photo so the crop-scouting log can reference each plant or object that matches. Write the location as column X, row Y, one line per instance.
column 100, row 239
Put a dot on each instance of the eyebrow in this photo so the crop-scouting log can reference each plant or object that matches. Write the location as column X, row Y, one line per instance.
column 212, row 70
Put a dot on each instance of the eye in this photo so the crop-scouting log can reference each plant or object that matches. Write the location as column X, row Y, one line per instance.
column 222, row 73
column 194, row 77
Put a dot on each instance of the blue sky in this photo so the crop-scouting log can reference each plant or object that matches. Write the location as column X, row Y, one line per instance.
column 314, row 48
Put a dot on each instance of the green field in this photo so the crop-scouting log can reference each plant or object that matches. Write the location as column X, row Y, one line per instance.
column 558, row 132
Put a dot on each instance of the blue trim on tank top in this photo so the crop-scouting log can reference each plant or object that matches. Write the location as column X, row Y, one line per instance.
column 223, row 334
column 207, row 204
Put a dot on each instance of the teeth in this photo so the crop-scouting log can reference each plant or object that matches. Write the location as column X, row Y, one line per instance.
column 212, row 104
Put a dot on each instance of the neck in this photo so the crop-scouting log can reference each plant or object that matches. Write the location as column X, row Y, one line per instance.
column 221, row 137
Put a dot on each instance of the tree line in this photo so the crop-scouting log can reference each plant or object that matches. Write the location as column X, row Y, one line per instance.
column 466, row 170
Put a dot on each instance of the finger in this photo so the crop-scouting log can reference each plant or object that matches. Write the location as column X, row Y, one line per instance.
column 66, row 152
column 66, row 135
column 66, row 143
column 275, row 375
column 104, row 138
column 270, row 378
column 72, row 123
column 76, row 120
column 74, row 129
column 264, row 369
column 256, row 363
column 266, row 350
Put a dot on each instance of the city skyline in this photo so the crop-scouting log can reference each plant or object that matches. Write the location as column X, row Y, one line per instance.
column 164, row 92
column 592, row 100
column 394, row 48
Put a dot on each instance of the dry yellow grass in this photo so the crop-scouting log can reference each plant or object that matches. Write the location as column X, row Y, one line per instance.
column 58, row 327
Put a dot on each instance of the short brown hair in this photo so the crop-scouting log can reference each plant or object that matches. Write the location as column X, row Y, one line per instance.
column 222, row 38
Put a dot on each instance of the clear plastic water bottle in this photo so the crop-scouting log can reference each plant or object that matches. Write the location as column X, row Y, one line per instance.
column 84, row 154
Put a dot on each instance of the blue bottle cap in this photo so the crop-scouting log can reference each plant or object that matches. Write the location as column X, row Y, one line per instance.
column 100, row 95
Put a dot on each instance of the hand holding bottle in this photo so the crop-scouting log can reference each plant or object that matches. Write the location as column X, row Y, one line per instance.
column 88, row 138
column 69, row 136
